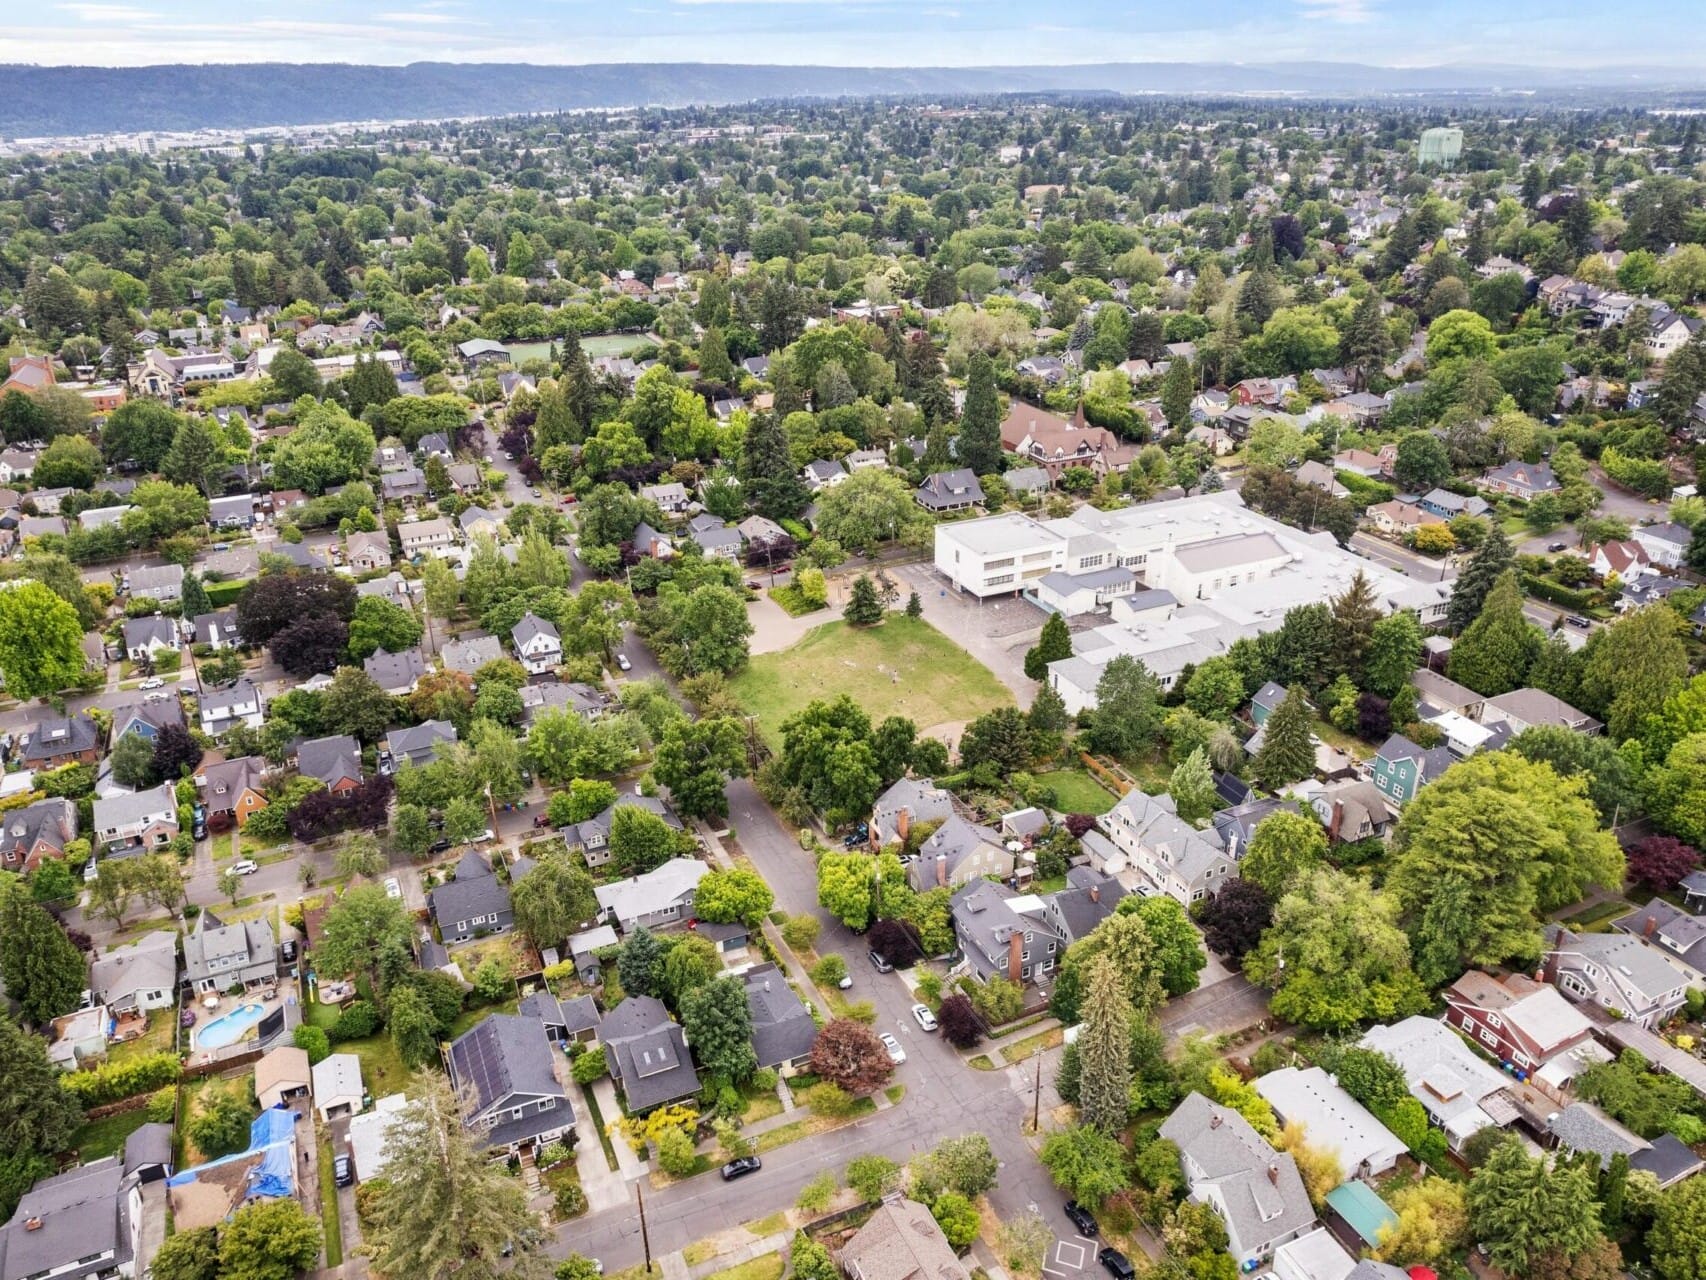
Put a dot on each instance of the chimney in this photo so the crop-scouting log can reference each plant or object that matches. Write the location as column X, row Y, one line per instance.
column 941, row 870
column 1095, row 893
column 903, row 823
column 1650, row 927
column 1015, row 956
column 32, row 1224
column 1338, row 817
column 1273, row 1172
column 1214, row 1120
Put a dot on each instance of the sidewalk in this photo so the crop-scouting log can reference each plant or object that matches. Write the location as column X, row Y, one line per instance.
column 777, row 1243
column 628, row 1165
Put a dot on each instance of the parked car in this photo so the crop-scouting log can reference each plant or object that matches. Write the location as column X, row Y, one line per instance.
column 244, row 867
column 153, row 682
column 897, row 1055
column 198, row 827
column 1116, row 1264
column 541, row 819
column 623, row 663
column 1576, row 620
column 879, row 964
column 158, row 695
column 1556, row 547
column 923, row 1017
column 846, row 981
column 343, row 1173
column 1081, row 1219
column 741, row 1167
column 392, row 888
column 91, row 870
column 438, row 846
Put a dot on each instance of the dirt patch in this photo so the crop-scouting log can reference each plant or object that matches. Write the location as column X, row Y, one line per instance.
column 948, row 731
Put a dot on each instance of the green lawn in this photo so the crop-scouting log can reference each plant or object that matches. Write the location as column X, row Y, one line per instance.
column 1075, row 791
column 765, row 1267
column 329, row 1219
column 905, row 667
column 105, row 1137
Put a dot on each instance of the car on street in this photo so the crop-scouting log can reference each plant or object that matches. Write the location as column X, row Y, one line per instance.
column 392, row 888
column 897, row 1055
column 623, row 663
column 923, row 1017
column 1556, row 547
column 879, row 964
column 343, row 1173
column 153, row 682
column 535, row 493
column 1576, row 620
column 1116, row 1264
column 1081, row 1219
column 244, row 867
column 158, row 695
column 741, row 1167
column 541, row 819
column 438, row 846
column 91, row 871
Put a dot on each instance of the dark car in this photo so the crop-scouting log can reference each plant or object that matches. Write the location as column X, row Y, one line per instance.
column 1556, row 547
column 1576, row 620
column 741, row 1167
column 439, row 846
column 879, row 964
column 1081, row 1218
column 541, row 819
column 288, row 951
column 343, row 1174
column 1116, row 1264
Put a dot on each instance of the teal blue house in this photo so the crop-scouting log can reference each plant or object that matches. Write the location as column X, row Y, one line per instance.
column 1266, row 702
column 1400, row 769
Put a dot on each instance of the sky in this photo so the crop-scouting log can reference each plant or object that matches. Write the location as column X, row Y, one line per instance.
column 1552, row 33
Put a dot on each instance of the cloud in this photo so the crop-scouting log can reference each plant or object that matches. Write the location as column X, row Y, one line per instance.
column 436, row 19
column 107, row 12
column 1347, row 11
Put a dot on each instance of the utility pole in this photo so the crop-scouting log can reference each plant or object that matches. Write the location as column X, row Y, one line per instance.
column 645, row 1236
column 1037, row 1097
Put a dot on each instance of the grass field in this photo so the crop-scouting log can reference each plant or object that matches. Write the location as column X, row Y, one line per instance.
column 1075, row 791
column 105, row 1137
column 903, row 668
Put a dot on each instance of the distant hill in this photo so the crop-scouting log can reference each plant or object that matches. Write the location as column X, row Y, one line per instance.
column 80, row 100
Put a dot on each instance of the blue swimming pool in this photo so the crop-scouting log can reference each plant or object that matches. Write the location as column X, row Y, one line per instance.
column 229, row 1028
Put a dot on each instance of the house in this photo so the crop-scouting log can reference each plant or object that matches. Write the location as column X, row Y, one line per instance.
column 218, row 956
column 1582, row 1127
column 1446, row 504
column 138, row 977
column 367, row 552
column 471, row 651
column 572, row 1021
column 1074, row 594
column 949, row 491
column 958, row 851
column 230, row 705
column 1351, row 809
column 1526, row 1024
column 148, row 1152
column 77, row 1225
column 761, row 530
column 647, row 1054
column 1042, row 440
column 36, row 831
column 419, row 743
column 477, row 522
column 671, row 497
column 434, row 445
column 1678, row 935
column 1615, row 971
column 1335, row 1121
column 1004, row 934
column 901, row 1241
column 591, row 839
column 405, row 482
column 1028, row 482
column 538, row 646
column 164, row 583
column 282, row 1074
column 217, row 630
column 1523, row 480
column 233, row 791
column 337, row 1086
column 101, row 517
column 79, row 1037
column 909, row 802
column 335, row 761
column 41, row 527
column 127, row 824
column 1172, row 855
column 1256, row 1190
column 473, row 904
column 656, row 899
column 782, row 1028
column 235, row 512
column 62, row 740
column 1400, row 768
column 584, row 948
column 1265, row 702
column 1666, row 544
column 1531, row 708
column 1318, row 475
column 17, row 464
column 713, row 537
column 478, row 352
column 502, row 1070
column 823, row 474
column 1089, row 898
column 1624, row 559
column 426, row 537
column 396, row 673
column 649, row 542
column 1315, row 1255
column 1360, row 462
column 1461, row 1092
column 585, row 700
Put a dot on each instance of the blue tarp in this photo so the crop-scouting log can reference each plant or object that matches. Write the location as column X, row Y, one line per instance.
column 270, row 1137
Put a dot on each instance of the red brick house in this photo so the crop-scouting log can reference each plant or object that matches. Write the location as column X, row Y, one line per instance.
column 37, row 831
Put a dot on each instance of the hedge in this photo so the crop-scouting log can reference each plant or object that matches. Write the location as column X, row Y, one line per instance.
column 1365, row 492
column 1555, row 593
column 221, row 594
column 115, row 1080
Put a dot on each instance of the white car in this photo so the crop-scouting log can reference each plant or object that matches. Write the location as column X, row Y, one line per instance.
column 158, row 695
column 153, row 682
column 897, row 1055
column 392, row 888
column 244, row 867
column 623, row 663
column 922, row 1015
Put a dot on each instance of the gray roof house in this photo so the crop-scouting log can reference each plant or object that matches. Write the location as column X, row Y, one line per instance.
column 476, row 902
column 958, row 851
column 713, row 537
column 157, row 582
column 1176, row 858
column 224, row 708
column 502, row 1069
column 1583, row 1127
column 129, row 823
column 1027, row 480
column 1088, row 899
column 565, row 1020
column 218, row 955
column 954, row 490
column 145, row 637
column 1615, row 971
column 660, row 897
column 908, row 802
column 137, row 977
column 782, row 1028
column 1532, row 708
column 57, row 740
column 468, row 653
column 585, row 700
column 538, row 645
column 418, row 743
column 396, row 673
column 1679, row 934
column 36, row 831
column 1004, row 934
column 592, row 837
column 335, row 761
column 82, row 1223
column 1256, row 1190
column 648, row 1054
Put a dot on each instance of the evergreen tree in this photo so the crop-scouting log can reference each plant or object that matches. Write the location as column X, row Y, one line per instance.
column 767, row 470
column 195, row 455
column 1048, row 711
column 1683, row 382
column 1178, row 389
column 1355, row 614
column 1363, row 345
column 714, row 362
column 36, row 1114
column 936, row 455
column 1494, row 653
column 980, row 425
column 579, row 384
column 43, row 969
column 1104, row 1049
column 1054, row 644
column 1287, row 753
column 194, row 598
column 1258, row 299
column 640, row 964
column 1470, row 590
column 864, row 608
column 914, row 606
column 371, row 382
column 554, row 423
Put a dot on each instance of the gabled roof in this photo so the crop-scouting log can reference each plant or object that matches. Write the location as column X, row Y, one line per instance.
column 782, row 1026
column 476, row 891
column 1260, row 1188
column 81, row 1213
column 639, row 895
column 468, row 653
column 148, row 964
column 648, row 1053
column 330, row 759
column 901, row 1241
column 500, row 1061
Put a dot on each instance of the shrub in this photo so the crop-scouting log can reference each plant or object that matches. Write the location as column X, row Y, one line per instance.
column 830, row 1101
column 676, row 1155
column 815, row 1195
column 764, row 1079
column 590, row 1066
column 314, row 1042
column 115, row 1081
column 571, row 1201
column 357, row 1021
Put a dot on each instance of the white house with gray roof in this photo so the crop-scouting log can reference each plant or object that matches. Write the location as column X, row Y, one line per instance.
column 138, row 977
column 538, row 645
column 77, row 1225
column 1334, row 1121
column 647, row 1054
column 224, row 708
column 468, row 653
column 656, row 899
column 1615, row 971
column 1177, row 859
column 219, row 955
column 1461, row 1091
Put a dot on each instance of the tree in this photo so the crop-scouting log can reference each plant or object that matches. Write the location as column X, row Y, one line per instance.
column 848, row 1054
column 41, row 641
column 195, row 456
column 1001, row 737
column 719, row 1027
column 188, row 1255
column 1422, row 462
column 444, row 1208
column 1494, row 653
column 69, row 462
column 1192, row 787
column 359, row 855
column 1215, row 689
column 869, row 508
column 1104, row 1049
column 1660, row 862
column 413, row 1027
column 1521, row 1208
column 639, row 839
column 863, row 609
column 552, row 900
column 293, row 375
column 695, row 761
column 140, row 430
column 1128, row 714
column 958, row 1218
column 980, row 422
column 43, row 970
column 1525, row 840
column 1334, row 956
column 36, row 1113
column 379, row 624
column 1632, row 667
column 960, row 1025
column 1677, row 1240
column 1394, row 651
column 355, row 704
column 1433, row 1223
column 872, row 1177
column 360, row 930
column 768, row 471
column 1287, row 753
column 221, row 1124
column 1234, row 919
column 133, row 760
column 701, row 631
column 1472, row 586
column 1054, row 644
column 1317, row 1166
column 275, row 601
column 314, row 1042
column 1596, row 761
column 1085, row 1162
column 689, row 964
column 1460, row 335
column 737, row 894
column 1285, row 847
column 640, row 964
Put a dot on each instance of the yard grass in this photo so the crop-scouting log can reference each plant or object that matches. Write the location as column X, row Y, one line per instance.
column 507, row 949
column 329, row 1207
column 158, row 1038
column 105, row 1137
column 468, row 1017
column 980, row 1063
column 598, row 1123
column 761, row 1106
column 700, row 1251
column 1599, row 913
column 769, row 1226
column 1075, row 791
column 1339, row 740
column 640, row 1272
column 809, row 1127
column 766, row 1266
column 1030, row 1046
column 903, row 668
column 895, row 1092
